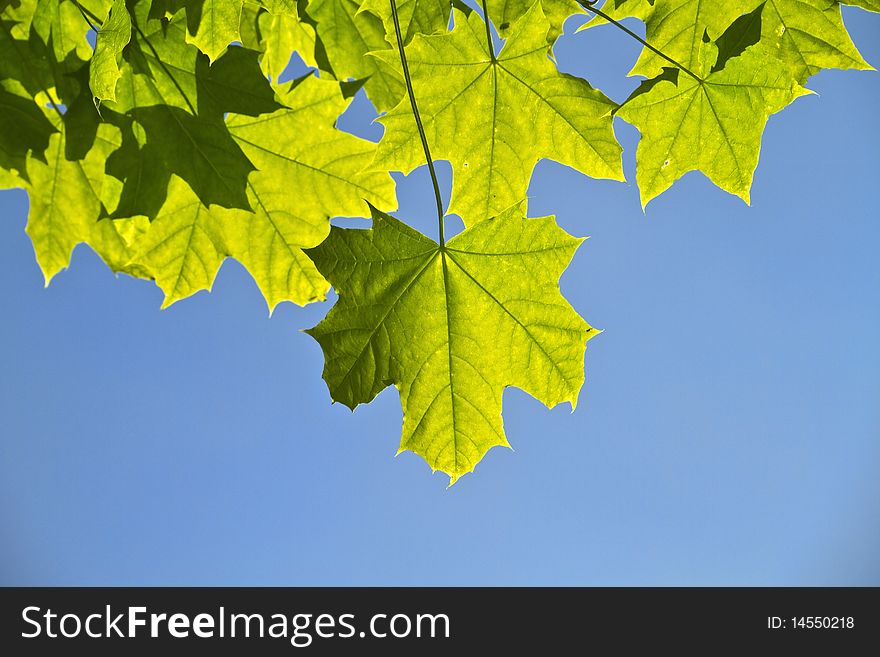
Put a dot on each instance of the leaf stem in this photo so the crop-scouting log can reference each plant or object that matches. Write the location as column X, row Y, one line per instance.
column 488, row 32
column 586, row 4
column 87, row 14
column 86, row 18
column 415, row 109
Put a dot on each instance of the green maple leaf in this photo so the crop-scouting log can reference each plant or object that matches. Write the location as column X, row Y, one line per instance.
column 494, row 119
column 307, row 171
column 713, row 125
column 66, row 198
column 213, row 25
column 104, row 71
column 505, row 13
column 61, row 26
column 184, row 246
column 451, row 327
column 348, row 34
column 178, row 101
column 279, row 36
column 810, row 35
column 676, row 27
column 415, row 17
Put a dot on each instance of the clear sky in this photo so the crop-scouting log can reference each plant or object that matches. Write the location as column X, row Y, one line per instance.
column 728, row 433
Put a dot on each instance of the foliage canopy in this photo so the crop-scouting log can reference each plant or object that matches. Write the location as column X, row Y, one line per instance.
column 159, row 133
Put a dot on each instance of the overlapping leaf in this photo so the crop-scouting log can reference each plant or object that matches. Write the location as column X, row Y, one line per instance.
column 277, row 36
column 713, row 124
column 494, row 118
column 505, row 13
column 451, row 327
column 810, row 35
column 114, row 35
column 213, row 25
column 415, row 16
column 169, row 119
column 178, row 101
column 307, row 171
column 66, row 198
column 348, row 34
column 807, row 34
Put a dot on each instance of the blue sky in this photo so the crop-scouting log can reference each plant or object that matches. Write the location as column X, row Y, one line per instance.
column 728, row 433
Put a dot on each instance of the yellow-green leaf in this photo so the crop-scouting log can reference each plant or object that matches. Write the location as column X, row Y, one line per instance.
column 713, row 126
column 217, row 24
column 307, row 172
column 415, row 16
column 451, row 327
column 348, row 34
column 281, row 35
column 114, row 35
column 66, row 199
column 184, row 246
column 810, row 35
column 505, row 13
column 494, row 119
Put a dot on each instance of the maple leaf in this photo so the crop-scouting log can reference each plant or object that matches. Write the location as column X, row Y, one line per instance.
column 66, row 198
column 451, row 327
column 279, row 35
column 114, row 35
column 494, row 118
column 348, row 34
column 61, row 26
column 675, row 27
column 810, row 36
column 184, row 246
column 307, row 171
column 415, row 16
column 29, row 67
column 713, row 124
column 178, row 102
column 187, row 130
column 505, row 13
column 213, row 25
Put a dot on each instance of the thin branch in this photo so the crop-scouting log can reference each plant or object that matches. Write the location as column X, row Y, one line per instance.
column 415, row 109
column 586, row 4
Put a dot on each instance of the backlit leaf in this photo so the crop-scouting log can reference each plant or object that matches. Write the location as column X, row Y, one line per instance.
column 451, row 328
column 495, row 119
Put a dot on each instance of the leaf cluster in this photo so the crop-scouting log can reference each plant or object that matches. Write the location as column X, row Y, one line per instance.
column 160, row 134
